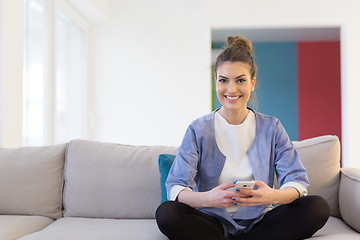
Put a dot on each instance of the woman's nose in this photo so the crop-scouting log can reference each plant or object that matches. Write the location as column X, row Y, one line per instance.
column 232, row 87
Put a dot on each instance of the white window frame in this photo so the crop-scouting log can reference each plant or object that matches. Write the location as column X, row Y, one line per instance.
column 50, row 73
column 75, row 17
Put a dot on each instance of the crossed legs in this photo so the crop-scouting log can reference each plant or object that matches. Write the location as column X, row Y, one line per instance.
column 297, row 220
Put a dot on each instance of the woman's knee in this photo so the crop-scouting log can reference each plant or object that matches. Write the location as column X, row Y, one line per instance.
column 318, row 204
column 163, row 210
column 168, row 213
column 317, row 208
column 321, row 207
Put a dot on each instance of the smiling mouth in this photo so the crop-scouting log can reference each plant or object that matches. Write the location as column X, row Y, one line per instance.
column 232, row 98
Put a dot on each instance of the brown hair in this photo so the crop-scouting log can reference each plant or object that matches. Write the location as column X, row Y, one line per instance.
column 238, row 49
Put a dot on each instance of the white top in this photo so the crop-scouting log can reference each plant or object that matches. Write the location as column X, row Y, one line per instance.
column 234, row 141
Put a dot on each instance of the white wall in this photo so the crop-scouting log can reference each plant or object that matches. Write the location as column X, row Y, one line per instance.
column 11, row 75
column 150, row 63
column 350, row 88
column 150, row 69
column 93, row 10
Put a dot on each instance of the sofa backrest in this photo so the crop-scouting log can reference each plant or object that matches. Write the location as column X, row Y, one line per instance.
column 31, row 181
column 321, row 158
column 107, row 180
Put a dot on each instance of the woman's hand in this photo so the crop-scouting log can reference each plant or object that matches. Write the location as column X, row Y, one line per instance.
column 265, row 195
column 218, row 197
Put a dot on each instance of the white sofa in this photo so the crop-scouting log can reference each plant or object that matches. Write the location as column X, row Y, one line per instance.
column 87, row 190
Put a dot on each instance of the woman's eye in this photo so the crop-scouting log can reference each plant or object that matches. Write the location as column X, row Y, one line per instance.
column 241, row 80
column 222, row 80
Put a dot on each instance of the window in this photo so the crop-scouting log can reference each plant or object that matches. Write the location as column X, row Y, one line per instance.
column 54, row 87
column 35, row 124
column 70, row 80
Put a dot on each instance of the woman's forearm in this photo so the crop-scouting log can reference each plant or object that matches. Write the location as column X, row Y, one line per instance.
column 217, row 197
column 193, row 199
column 286, row 195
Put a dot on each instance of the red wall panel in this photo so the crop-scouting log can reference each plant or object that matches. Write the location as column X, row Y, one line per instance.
column 319, row 94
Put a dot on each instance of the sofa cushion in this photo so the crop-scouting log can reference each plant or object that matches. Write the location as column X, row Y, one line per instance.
column 336, row 229
column 13, row 227
column 31, row 181
column 95, row 229
column 321, row 158
column 106, row 180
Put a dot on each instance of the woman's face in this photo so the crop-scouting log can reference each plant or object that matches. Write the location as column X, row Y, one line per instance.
column 234, row 85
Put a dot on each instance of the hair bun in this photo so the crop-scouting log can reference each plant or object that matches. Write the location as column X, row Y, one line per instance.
column 238, row 49
column 239, row 42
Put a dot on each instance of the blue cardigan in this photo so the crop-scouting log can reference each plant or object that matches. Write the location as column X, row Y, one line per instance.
column 199, row 163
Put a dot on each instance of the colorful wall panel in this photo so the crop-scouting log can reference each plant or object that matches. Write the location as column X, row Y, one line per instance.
column 299, row 83
column 319, row 89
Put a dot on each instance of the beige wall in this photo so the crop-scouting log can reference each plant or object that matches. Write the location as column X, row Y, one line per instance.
column 11, row 74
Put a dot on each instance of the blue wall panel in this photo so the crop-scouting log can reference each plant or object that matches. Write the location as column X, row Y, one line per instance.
column 276, row 87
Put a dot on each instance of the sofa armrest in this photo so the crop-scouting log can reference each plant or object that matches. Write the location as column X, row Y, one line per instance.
column 349, row 197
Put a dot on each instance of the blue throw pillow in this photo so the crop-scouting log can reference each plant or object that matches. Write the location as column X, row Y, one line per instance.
column 165, row 162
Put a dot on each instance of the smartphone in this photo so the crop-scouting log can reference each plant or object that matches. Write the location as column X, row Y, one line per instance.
column 244, row 184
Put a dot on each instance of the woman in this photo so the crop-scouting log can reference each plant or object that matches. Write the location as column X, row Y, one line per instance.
column 237, row 143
